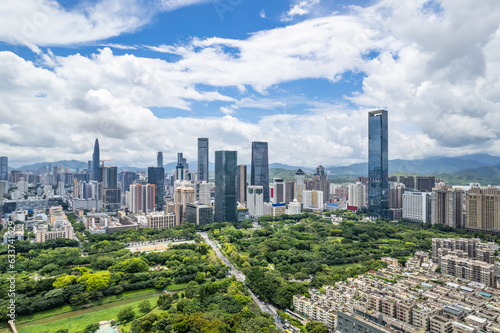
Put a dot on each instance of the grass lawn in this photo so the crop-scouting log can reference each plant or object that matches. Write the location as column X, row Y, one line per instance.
column 389, row 240
column 127, row 326
column 66, row 308
column 77, row 323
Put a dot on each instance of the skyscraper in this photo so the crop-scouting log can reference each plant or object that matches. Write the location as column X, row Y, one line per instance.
column 255, row 202
column 322, row 182
column 446, row 207
column 378, row 173
column 260, row 167
column 225, row 186
column 156, row 176
column 181, row 168
column 242, row 183
column 159, row 160
column 300, row 177
column 203, row 159
column 111, row 177
column 96, row 157
column 278, row 190
column 4, row 166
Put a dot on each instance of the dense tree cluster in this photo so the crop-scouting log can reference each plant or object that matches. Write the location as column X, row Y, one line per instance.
column 50, row 278
column 220, row 306
column 291, row 253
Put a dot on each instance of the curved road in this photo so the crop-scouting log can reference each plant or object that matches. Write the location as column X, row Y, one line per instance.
column 264, row 307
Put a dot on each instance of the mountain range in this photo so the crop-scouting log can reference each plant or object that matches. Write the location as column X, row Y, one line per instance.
column 481, row 168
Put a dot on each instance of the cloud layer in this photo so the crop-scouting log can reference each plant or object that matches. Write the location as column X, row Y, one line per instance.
column 433, row 65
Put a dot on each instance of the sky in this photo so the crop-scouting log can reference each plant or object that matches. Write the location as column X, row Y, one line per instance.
column 154, row 75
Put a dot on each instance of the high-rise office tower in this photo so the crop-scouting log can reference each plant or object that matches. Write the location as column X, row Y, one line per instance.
column 409, row 182
column 156, row 176
column 242, row 183
column 181, row 169
column 378, row 171
column 111, row 177
column 4, row 168
column 159, row 160
column 425, row 184
column 225, row 186
column 300, row 177
column 96, row 160
column 260, row 167
column 203, row 159
column 128, row 179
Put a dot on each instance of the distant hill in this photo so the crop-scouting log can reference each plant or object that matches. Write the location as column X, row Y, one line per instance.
column 72, row 165
column 432, row 165
column 486, row 175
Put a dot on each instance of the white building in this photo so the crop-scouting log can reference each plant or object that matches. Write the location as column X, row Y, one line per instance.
column 357, row 194
column 313, row 199
column 159, row 220
column 255, row 200
column 4, row 187
column 204, row 190
column 22, row 186
column 294, row 207
column 417, row 206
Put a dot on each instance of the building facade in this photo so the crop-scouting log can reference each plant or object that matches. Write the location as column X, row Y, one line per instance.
column 483, row 209
column 446, row 207
column 417, row 207
column 255, row 201
column 156, row 176
column 4, row 168
column 260, row 167
column 225, row 186
column 242, row 183
column 378, row 167
column 203, row 159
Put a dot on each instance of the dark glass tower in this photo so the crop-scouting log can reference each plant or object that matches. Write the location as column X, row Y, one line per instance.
column 378, row 173
column 203, row 159
column 4, row 166
column 260, row 167
column 156, row 176
column 111, row 180
column 128, row 179
column 96, row 157
column 159, row 160
column 225, row 186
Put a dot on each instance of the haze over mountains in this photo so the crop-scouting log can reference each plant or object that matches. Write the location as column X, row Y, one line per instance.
column 481, row 168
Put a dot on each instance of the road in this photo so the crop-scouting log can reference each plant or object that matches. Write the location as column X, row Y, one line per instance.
column 264, row 307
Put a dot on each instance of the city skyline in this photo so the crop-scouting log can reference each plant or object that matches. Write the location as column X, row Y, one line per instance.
column 163, row 74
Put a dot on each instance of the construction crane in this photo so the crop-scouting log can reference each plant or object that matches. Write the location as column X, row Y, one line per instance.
column 103, row 191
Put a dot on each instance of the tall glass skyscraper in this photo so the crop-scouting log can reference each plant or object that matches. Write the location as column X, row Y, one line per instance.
column 156, row 176
column 378, row 165
column 96, row 168
column 4, row 168
column 159, row 160
column 225, row 186
column 260, row 167
column 203, row 159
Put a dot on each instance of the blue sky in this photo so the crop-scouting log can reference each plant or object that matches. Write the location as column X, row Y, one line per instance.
column 146, row 76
